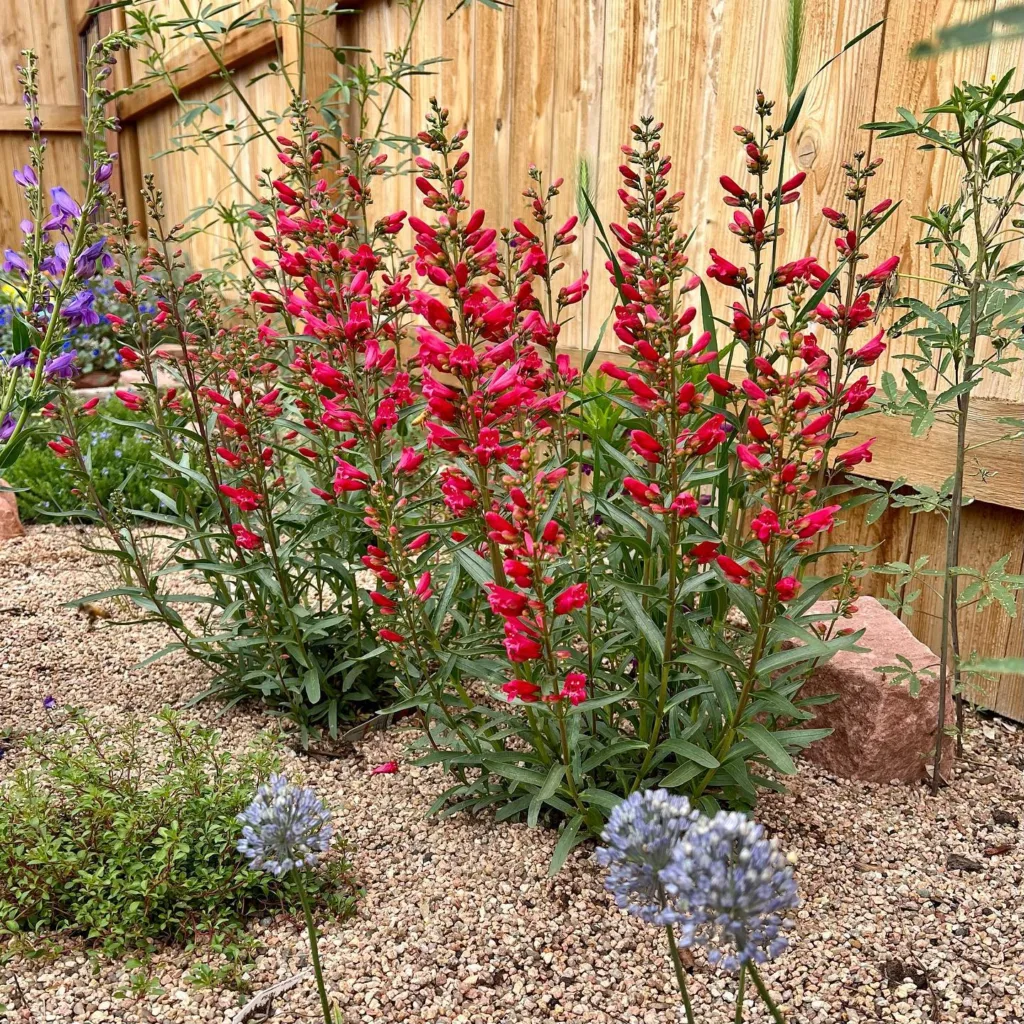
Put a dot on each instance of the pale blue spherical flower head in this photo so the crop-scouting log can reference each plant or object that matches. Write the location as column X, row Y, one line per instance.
column 284, row 827
column 730, row 888
column 640, row 836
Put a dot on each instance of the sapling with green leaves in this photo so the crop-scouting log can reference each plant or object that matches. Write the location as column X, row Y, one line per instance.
column 973, row 329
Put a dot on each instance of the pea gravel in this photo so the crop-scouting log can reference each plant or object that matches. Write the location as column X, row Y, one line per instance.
column 459, row 923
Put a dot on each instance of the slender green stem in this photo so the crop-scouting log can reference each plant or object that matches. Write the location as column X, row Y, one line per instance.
column 765, row 995
column 740, row 992
column 677, row 963
column 314, row 948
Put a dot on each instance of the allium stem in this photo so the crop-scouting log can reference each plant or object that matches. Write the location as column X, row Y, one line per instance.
column 680, row 973
column 740, row 992
column 314, row 947
column 763, row 992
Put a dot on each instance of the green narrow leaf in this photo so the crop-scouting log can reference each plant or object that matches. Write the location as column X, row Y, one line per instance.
column 798, row 101
column 654, row 637
column 769, row 746
column 793, row 42
column 566, row 842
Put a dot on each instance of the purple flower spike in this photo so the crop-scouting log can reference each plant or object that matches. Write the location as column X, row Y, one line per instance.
column 61, row 367
column 79, row 312
column 25, row 177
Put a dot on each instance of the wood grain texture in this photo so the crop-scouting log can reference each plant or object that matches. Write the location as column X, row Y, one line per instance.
column 194, row 67
column 42, row 26
column 57, row 120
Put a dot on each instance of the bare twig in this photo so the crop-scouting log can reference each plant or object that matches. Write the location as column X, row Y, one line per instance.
column 264, row 998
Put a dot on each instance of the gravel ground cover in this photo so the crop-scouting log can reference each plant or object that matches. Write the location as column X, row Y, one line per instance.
column 912, row 910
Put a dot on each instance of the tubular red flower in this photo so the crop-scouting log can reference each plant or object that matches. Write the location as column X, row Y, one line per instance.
column 855, row 456
column 521, row 689
column 242, row 497
column 571, row 599
column 734, row 572
column 719, row 384
column 246, row 539
column 704, row 551
column 506, row 602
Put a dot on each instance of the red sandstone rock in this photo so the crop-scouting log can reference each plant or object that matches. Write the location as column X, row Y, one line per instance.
column 10, row 522
column 881, row 733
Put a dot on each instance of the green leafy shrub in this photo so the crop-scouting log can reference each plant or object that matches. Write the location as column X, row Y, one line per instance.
column 123, row 842
column 116, row 451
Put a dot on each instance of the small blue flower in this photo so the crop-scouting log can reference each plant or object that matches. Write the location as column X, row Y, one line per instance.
column 640, row 835
column 729, row 888
column 285, row 827
column 49, row 702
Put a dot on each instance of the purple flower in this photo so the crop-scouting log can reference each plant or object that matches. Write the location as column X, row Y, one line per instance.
column 27, row 227
column 103, row 173
column 62, row 209
column 49, row 702
column 284, row 827
column 729, row 888
column 25, row 177
column 61, row 367
column 26, row 358
column 85, row 264
column 58, row 262
column 7, row 427
column 14, row 261
column 640, row 837
column 63, row 203
column 79, row 312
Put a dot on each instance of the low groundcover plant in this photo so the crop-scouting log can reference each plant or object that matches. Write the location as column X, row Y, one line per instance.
column 120, row 840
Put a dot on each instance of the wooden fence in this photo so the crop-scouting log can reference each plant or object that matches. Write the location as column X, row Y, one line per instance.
column 553, row 81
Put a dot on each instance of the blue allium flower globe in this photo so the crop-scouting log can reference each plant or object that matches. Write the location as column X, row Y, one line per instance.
column 730, row 888
column 640, row 835
column 284, row 827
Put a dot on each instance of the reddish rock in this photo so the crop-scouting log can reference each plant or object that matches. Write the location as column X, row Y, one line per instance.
column 881, row 733
column 10, row 522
